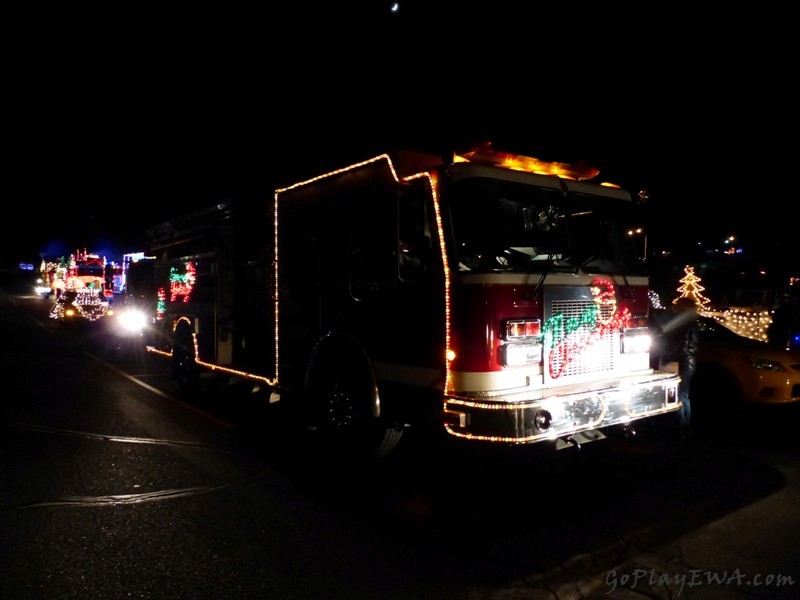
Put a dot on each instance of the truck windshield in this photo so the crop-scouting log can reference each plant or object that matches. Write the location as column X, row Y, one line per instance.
column 505, row 226
column 89, row 270
column 599, row 229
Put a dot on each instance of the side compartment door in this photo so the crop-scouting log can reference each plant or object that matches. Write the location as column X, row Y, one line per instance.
column 397, row 288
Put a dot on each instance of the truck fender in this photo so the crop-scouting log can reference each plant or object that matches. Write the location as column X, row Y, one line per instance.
column 342, row 405
column 341, row 353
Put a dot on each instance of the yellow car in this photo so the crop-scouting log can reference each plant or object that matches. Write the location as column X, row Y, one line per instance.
column 732, row 367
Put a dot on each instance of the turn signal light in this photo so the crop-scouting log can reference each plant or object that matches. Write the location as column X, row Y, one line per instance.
column 523, row 328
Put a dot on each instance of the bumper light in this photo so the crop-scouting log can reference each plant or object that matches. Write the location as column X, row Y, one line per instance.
column 542, row 419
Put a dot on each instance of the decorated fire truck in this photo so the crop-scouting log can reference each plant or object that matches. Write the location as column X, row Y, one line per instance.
column 79, row 285
column 493, row 297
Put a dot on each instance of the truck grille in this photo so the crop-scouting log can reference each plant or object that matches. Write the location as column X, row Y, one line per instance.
column 583, row 349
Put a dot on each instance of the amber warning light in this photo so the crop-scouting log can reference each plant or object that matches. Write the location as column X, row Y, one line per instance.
column 523, row 329
column 528, row 164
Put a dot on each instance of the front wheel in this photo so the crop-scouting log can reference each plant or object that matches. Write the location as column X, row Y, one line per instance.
column 340, row 424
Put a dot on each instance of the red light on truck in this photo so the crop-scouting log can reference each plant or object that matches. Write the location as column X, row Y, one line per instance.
column 523, row 328
column 637, row 322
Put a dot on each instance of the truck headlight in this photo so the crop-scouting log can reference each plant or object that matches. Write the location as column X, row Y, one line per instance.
column 516, row 355
column 633, row 341
column 132, row 321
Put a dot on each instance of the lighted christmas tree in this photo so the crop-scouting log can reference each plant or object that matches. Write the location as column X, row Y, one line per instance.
column 692, row 289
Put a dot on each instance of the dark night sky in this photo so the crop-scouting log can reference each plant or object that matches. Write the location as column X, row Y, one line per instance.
column 119, row 119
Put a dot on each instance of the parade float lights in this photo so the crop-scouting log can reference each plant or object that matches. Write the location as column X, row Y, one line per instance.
column 745, row 322
column 691, row 288
column 181, row 285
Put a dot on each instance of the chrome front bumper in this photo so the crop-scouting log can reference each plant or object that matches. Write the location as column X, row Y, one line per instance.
column 520, row 419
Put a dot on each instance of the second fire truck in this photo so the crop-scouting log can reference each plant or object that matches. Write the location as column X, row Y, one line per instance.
column 80, row 285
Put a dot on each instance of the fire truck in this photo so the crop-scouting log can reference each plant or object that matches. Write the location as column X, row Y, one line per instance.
column 494, row 297
column 79, row 283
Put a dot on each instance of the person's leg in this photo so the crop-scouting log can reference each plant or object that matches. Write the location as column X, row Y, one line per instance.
column 686, row 407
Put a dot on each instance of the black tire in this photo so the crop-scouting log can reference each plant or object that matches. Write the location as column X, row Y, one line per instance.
column 336, row 412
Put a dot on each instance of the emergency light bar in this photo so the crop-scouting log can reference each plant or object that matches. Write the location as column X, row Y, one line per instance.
column 527, row 164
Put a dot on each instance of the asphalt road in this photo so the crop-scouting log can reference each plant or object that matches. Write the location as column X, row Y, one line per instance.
column 113, row 485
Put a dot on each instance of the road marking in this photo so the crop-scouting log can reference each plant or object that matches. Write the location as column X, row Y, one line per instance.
column 206, row 415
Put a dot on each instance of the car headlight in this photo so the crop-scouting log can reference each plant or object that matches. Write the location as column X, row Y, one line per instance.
column 764, row 364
